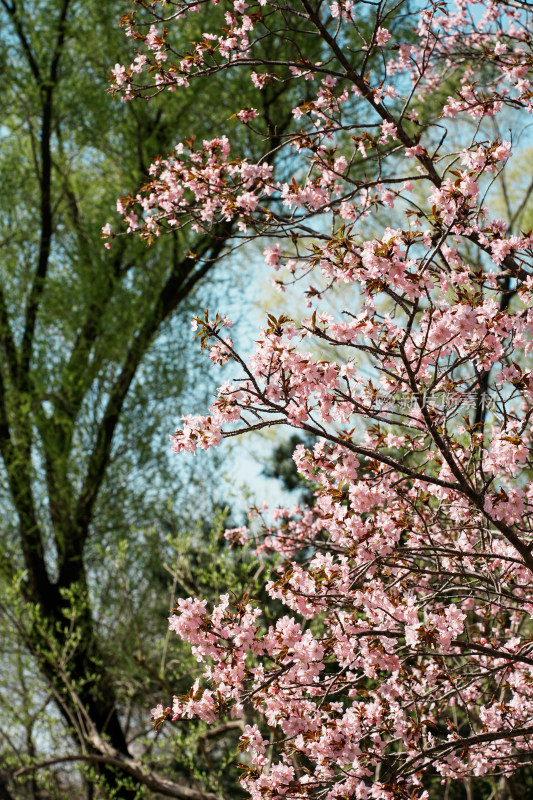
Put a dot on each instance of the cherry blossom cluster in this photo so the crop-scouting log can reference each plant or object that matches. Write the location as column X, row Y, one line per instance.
column 403, row 647
column 197, row 186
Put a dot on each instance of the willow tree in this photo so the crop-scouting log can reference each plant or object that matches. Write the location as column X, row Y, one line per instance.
column 86, row 334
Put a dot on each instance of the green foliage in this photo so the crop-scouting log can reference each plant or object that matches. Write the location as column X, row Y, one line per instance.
column 94, row 364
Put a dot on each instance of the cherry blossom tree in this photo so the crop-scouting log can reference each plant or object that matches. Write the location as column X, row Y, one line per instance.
column 405, row 647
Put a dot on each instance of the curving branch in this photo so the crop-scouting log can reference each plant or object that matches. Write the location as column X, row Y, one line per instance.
column 148, row 778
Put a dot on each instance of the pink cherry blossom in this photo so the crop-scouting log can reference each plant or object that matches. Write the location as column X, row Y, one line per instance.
column 399, row 650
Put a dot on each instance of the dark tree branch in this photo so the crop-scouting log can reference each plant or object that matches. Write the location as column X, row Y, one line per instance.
column 14, row 12
column 7, row 342
column 183, row 279
column 20, row 487
column 151, row 780
column 47, row 92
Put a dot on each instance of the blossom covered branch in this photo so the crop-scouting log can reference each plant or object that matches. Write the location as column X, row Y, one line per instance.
column 405, row 649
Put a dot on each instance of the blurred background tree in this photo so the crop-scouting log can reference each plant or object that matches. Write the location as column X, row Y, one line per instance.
column 100, row 531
